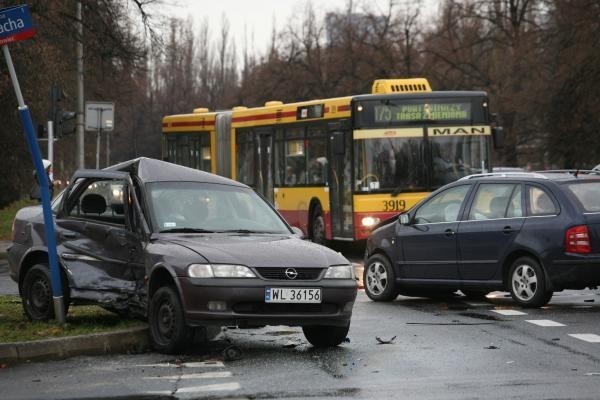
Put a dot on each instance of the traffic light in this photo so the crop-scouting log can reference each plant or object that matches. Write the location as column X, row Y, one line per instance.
column 58, row 115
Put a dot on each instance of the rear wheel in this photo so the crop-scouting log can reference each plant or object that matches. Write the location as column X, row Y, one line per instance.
column 379, row 279
column 168, row 330
column 317, row 226
column 325, row 336
column 528, row 286
column 36, row 293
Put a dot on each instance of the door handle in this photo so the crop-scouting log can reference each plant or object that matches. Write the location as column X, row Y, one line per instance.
column 449, row 232
column 508, row 230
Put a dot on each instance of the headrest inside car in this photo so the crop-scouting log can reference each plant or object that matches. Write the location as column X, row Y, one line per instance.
column 93, row 203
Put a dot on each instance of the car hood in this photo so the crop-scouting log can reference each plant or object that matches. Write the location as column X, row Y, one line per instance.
column 258, row 250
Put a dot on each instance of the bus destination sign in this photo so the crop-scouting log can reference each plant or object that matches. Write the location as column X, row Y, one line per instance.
column 15, row 25
column 422, row 112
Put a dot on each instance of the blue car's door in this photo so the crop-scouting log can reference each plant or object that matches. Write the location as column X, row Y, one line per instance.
column 429, row 243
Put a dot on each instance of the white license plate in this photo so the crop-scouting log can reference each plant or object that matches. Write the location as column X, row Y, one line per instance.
column 292, row 295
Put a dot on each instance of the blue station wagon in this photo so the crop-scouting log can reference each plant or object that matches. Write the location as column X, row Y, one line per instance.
column 528, row 233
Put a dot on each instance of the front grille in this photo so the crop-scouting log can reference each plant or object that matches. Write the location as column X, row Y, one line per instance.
column 304, row 274
column 278, row 308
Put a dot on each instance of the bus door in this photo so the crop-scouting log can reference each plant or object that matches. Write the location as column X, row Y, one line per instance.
column 340, row 189
column 264, row 148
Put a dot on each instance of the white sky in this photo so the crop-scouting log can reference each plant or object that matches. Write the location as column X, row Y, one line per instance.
column 256, row 17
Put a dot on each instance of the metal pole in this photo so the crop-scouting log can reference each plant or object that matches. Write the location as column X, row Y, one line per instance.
column 51, row 149
column 107, row 148
column 79, row 115
column 98, row 138
column 36, row 155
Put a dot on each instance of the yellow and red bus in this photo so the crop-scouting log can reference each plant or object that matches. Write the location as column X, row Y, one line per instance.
column 337, row 167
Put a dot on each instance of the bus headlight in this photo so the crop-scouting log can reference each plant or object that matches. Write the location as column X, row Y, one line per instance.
column 340, row 272
column 219, row 271
column 370, row 222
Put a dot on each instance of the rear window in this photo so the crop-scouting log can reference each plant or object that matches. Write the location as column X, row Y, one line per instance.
column 588, row 194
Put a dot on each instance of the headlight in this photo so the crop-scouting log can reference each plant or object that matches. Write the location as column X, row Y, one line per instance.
column 340, row 272
column 219, row 271
column 370, row 221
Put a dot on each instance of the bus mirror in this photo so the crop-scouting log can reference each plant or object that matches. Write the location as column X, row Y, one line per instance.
column 498, row 137
column 404, row 219
column 337, row 142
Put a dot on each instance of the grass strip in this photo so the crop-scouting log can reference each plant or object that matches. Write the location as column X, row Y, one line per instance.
column 81, row 320
column 7, row 214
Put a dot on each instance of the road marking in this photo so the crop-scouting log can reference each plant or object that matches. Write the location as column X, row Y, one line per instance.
column 587, row 337
column 544, row 322
column 509, row 312
column 211, row 388
column 202, row 364
column 203, row 375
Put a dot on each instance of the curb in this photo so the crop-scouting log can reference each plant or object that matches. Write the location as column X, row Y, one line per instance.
column 127, row 340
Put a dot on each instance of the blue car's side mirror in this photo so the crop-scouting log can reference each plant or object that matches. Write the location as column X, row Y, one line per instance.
column 404, row 219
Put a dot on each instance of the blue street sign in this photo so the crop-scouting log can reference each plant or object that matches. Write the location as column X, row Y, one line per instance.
column 15, row 24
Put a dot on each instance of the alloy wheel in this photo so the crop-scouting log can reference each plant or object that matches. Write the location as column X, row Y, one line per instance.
column 524, row 282
column 376, row 278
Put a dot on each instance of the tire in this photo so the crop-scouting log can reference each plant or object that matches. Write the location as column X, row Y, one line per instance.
column 527, row 283
column 168, row 330
column 36, row 294
column 317, row 226
column 379, row 279
column 325, row 336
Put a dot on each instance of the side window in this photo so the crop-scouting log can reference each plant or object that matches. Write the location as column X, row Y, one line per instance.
column 515, row 206
column 492, row 201
column 444, row 207
column 101, row 201
column 317, row 156
column 539, row 202
column 295, row 157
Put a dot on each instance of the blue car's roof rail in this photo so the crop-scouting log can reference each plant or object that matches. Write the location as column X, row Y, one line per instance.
column 506, row 175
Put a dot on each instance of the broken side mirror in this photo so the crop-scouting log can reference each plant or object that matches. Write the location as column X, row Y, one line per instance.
column 498, row 137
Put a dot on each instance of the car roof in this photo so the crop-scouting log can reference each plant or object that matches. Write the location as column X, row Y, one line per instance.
column 152, row 170
column 553, row 175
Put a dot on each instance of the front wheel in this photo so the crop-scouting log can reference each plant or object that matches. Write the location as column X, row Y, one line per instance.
column 36, row 293
column 168, row 330
column 325, row 336
column 379, row 279
column 528, row 286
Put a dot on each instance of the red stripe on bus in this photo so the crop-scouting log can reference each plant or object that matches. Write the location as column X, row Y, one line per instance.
column 261, row 117
column 344, row 108
column 165, row 124
column 192, row 123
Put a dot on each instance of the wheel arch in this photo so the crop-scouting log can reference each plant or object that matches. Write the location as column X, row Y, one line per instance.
column 512, row 257
column 161, row 276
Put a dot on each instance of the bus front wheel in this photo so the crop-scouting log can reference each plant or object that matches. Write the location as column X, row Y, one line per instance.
column 318, row 226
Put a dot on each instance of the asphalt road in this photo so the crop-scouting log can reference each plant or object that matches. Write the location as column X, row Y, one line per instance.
column 455, row 349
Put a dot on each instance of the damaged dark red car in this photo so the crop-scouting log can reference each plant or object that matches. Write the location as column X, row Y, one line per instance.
column 185, row 249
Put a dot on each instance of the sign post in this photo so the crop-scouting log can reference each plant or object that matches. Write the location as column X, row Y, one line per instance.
column 16, row 25
column 100, row 116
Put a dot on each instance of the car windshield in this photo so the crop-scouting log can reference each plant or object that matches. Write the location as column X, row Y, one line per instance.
column 588, row 194
column 190, row 207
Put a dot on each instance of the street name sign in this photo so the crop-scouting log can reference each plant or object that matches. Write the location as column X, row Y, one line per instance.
column 15, row 25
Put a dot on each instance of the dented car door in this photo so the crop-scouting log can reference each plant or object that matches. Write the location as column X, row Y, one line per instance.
column 102, row 254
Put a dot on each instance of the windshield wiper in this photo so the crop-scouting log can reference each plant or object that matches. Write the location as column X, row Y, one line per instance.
column 242, row 231
column 397, row 191
column 186, row 230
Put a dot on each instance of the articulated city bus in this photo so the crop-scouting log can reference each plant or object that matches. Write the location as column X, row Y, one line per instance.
column 337, row 167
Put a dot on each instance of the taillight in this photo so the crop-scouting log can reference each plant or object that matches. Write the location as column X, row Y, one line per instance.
column 577, row 240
